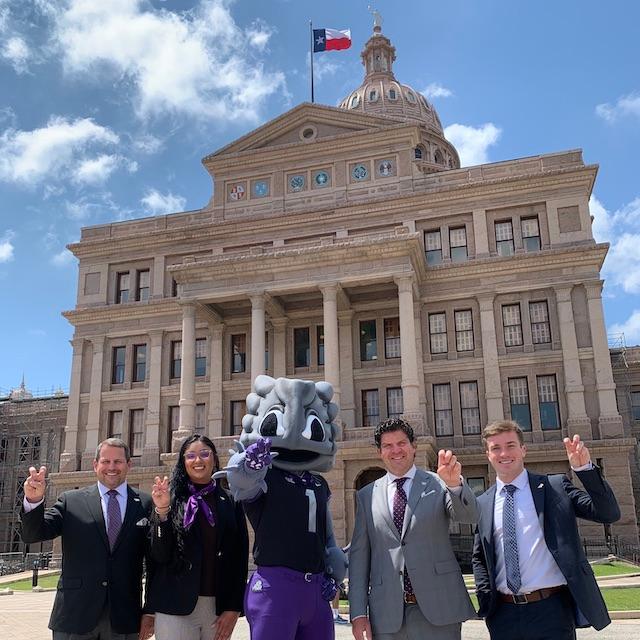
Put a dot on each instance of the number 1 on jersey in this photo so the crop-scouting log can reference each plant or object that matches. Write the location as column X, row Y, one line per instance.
column 312, row 509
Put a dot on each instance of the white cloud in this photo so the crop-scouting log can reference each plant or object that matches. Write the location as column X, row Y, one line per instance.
column 17, row 52
column 6, row 246
column 62, row 258
column 628, row 105
column 630, row 328
column 147, row 143
column 435, row 90
column 198, row 62
column 97, row 170
column 621, row 229
column 157, row 203
column 33, row 156
column 324, row 66
column 472, row 143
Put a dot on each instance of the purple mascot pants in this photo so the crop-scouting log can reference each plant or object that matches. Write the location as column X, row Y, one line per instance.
column 283, row 604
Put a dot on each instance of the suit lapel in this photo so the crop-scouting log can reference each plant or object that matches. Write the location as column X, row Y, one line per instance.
column 538, row 485
column 420, row 483
column 380, row 504
column 94, row 504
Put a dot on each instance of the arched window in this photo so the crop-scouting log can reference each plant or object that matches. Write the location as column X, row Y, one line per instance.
column 418, row 153
column 355, row 100
column 393, row 95
column 437, row 157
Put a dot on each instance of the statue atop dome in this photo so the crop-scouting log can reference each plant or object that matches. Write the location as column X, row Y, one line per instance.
column 377, row 19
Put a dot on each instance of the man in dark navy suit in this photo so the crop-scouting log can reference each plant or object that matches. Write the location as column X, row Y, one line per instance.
column 104, row 540
column 533, row 580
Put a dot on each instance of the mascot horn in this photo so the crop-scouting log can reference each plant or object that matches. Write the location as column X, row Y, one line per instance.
column 287, row 434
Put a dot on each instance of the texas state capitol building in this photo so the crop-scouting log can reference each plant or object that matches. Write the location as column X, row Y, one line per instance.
column 347, row 244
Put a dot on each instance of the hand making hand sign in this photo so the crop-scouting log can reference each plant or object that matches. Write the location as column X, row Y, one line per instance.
column 577, row 452
column 449, row 469
column 35, row 485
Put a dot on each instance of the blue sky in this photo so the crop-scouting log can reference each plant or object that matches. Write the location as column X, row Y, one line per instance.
column 106, row 109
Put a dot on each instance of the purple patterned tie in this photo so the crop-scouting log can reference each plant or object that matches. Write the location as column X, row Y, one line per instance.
column 114, row 518
column 399, row 506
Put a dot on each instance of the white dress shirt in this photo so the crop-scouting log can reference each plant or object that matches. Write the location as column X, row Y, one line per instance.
column 104, row 498
column 538, row 569
column 392, row 487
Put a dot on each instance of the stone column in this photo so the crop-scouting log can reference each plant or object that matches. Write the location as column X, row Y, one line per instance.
column 279, row 347
column 95, row 404
column 187, row 378
column 216, row 409
column 70, row 457
column 577, row 420
column 345, row 345
column 151, row 451
column 610, row 421
column 257, row 336
column 408, row 359
column 492, row 386
column 157, row 290
column 480, row 234
column 331, row 345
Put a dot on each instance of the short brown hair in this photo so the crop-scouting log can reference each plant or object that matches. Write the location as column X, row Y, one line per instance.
column 501, row 426
column 114, row 442
column 392, row 424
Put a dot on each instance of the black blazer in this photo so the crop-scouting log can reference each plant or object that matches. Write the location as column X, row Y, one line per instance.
column 174, row 590
column 558, row 504
column 91, row 573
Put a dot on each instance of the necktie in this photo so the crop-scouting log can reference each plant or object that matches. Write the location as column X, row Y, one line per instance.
column 510, row 541
column 114, row 517
column 399, row 506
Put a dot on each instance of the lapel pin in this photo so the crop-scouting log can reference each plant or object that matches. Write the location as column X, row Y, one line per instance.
column 541, row 485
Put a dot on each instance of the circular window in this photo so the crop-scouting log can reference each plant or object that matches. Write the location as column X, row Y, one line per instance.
column 308, row 133
column 296, row 183
column 321, row 179
column 360, row 172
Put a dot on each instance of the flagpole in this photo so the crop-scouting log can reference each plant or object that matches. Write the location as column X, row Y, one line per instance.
column 311, row 55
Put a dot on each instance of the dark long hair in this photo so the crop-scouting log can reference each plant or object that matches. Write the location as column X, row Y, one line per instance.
column 179, row 488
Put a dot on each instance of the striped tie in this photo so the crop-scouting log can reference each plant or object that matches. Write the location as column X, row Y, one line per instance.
column 510, row 541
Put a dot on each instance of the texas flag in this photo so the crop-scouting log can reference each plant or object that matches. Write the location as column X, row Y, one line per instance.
column 331, row 39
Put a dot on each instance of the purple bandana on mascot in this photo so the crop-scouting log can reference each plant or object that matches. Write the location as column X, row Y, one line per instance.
column 288, row 434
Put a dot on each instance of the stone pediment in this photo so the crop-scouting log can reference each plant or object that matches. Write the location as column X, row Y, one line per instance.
column 304, row 124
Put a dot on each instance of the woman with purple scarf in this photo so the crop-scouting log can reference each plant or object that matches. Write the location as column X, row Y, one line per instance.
column 199, row 550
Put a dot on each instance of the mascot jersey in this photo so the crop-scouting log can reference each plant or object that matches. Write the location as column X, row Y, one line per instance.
column 290, row 521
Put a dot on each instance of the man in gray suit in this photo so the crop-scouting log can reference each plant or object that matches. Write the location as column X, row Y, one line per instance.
column 404, row 580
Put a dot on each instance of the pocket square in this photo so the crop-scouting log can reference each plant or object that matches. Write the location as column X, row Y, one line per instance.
column 143, row 523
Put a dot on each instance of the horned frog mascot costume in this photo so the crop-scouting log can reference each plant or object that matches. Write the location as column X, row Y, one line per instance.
column 288, row 435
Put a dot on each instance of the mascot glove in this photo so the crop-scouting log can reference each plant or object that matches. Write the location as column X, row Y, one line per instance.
column 258, row 455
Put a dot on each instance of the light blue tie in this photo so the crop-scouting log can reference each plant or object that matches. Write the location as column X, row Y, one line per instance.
column 510, row 541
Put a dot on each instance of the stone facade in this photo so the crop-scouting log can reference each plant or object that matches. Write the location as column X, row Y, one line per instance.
column 31, row 434
column 346, row 244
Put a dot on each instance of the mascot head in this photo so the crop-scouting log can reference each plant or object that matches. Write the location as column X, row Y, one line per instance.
column 297, row 416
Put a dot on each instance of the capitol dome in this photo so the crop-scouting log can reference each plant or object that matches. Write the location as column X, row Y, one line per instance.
column 381, row 94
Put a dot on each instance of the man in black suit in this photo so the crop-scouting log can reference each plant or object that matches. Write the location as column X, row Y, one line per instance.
column 104, row 540
column 533, row 580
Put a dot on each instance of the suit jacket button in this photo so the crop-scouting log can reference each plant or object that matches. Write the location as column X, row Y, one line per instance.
column 105, row 583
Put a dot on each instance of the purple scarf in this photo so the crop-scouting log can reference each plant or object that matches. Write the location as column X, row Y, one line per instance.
column 196, row 501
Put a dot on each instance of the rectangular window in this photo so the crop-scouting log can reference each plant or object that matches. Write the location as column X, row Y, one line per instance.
column 504, row 238
column 458, row 244
column 477, row 485
column 238, row 353
column 368, row 341
column 238, row 410
column 136, row 431
column 174, row 288
column 115, row 424
column 395, row 405
column 320, row 344
column 370, row 408
column 540, row 329
column 470, row 407
column 433, row 247
column 464, row 330
column 201, row 419
column 174, row 418
column 301, row 350
column 635, row 404
column 530, row 234
column 442, row 409
column 548, row 403
column 139, row 362
column 519, row 400
column 176, row 358
column 512, row 325
column 392, row 337
column 201, row 357
column 438, row 332
column 142, row 289
column 117, row 369
column 4, row 445
column 122, row 287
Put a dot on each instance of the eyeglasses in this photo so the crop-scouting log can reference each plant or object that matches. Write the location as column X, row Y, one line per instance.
column 203, row 454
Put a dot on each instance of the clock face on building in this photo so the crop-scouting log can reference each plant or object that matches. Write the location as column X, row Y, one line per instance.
column 360, row 172
column 296, row 183
column 261, row 189
column 321, row 179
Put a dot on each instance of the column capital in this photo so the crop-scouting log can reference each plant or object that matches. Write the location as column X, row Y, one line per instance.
column 77, row 344
column 329, row 291
column 188, row 307
column 98, row 343
column 156, row 335
column 594, row 289
column 485, row 300
column 563, row 291
column 404, row 282
column 217, row 330
column 257, row 299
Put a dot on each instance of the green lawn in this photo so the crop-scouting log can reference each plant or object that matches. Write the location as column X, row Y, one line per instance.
column 622, row 599
column 613, row 569
column 25, row 585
